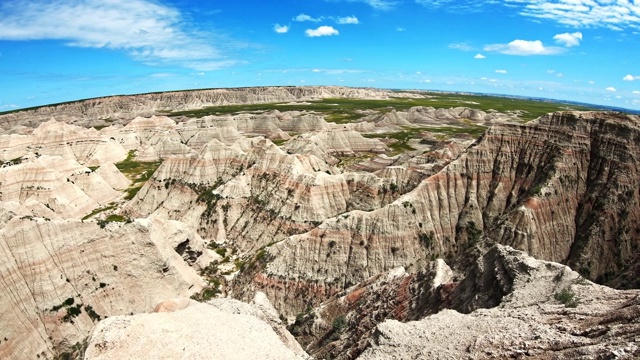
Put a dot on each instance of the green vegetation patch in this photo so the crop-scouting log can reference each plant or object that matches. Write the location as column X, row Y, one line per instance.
column 568, row 298
column 136, row 171
column 113, row 218
column 98, row 211
column 12, row 162
column 343, row 111
column 279, row 142
column 452, row 131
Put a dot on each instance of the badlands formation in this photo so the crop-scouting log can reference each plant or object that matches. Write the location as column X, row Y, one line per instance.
column 197, row 224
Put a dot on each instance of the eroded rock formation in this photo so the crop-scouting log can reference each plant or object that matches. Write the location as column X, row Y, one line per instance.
column 369, row 234
column 563, row 188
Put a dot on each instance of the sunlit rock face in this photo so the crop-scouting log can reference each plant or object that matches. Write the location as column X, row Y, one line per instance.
column 121, row 109
column 111, row 206
column 562, row 188
column 180, row 328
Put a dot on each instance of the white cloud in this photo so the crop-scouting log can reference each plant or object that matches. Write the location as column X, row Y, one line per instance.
column 305, row 17
column 568, row 40
column 612, row 14
column 348, row 20
column 637, row 92
column 479, row 56
column 337, row 71
column 501, row 71
column 457, row 6
column 611, row 88
column 322, row 31
column 378, row 4
column 630, row 77
column 281, row 29
column 146, row 30
column 461, row 46
column 524, row 48
column 400, row 29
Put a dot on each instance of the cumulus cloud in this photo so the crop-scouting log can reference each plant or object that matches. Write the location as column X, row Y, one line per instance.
column 637, row 92
column 501, row 71
column 611, row 88
column 630, row 77
column 146, row 30
column 322, row 31
column 305, row 17
column 281, row 29
column 524, row 48
column 615, row 15
column 569, row 40
column 348, row 20
column 479, row 56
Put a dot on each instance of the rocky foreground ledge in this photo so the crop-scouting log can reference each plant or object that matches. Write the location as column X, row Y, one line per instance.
column 510, row 306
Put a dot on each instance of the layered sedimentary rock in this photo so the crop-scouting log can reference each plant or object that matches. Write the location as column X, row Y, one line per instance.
column 104, row 111
column 509, row 305
column 252, row 193
column 421, row 115
column 70, row 142
column 563, row 188
column 64, row 187
column 514, row 306
column 328, row 145
column 61, row 276
column 339, row 230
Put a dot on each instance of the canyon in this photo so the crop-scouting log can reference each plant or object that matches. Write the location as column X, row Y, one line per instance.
column 328, row 222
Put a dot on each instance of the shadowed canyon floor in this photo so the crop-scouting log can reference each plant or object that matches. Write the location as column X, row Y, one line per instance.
column 354, row 223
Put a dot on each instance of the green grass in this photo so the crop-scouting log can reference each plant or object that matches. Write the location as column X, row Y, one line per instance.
column 348, row 110
column 450, row 131
column 98, row 211
column 116, row 218
column 402, row 137
column 136, row 171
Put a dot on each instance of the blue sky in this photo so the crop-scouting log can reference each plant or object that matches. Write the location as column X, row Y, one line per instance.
column 60, row 50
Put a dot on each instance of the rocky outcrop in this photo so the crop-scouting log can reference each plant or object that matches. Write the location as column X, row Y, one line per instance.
column 327, row 145
column 519, row 307
column 420, row 115
column 183, row 329
column 343, row 326
column 109, row 110
column 54, row 187
column 61, row 276
column 344, row 232
column 87, row 146
column 563, row 188
column 252, row 193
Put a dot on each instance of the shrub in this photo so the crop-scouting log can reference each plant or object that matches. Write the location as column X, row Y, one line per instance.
column 339, row 323
column 567, row 297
